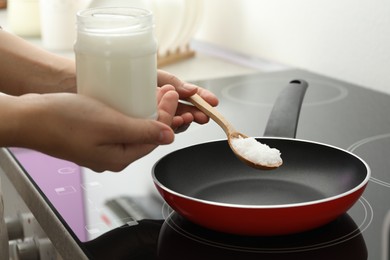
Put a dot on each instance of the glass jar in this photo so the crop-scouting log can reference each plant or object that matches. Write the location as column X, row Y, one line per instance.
column 116, row 59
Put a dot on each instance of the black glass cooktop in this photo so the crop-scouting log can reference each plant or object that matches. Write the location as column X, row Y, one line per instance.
column 121, row 215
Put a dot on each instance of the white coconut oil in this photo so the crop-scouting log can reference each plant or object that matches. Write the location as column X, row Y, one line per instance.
column 116, row 59
column 257, row 152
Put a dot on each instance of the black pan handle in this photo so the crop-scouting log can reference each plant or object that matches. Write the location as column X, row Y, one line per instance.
column 283, row 120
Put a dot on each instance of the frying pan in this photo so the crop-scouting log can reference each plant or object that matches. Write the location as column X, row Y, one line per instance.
column 317, row 183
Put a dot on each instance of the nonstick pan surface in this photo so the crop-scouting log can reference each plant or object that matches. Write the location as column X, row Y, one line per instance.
column 208, row 185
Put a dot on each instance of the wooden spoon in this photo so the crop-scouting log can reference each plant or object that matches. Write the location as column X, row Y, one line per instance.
column 231, row 133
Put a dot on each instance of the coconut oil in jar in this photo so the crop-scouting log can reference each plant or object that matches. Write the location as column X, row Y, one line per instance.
column 116, row 59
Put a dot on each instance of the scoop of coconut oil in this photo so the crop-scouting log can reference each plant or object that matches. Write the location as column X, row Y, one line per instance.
column 257, row 152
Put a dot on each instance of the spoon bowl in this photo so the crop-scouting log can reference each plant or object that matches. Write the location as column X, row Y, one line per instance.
column 230, row 132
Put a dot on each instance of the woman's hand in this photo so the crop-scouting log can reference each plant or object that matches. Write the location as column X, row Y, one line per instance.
column 80, row 129
column 186, row 114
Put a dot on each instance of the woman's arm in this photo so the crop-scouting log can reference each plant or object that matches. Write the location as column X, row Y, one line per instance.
column 25, row 68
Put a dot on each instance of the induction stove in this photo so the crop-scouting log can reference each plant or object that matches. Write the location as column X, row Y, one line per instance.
column 121, row 215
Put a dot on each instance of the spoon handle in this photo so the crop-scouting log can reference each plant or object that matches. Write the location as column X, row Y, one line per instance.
column 212, row 112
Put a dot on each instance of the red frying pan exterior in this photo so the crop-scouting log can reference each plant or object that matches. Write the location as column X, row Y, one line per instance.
column 261, row 221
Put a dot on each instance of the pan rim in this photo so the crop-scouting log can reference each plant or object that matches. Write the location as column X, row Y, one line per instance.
column 276, row 206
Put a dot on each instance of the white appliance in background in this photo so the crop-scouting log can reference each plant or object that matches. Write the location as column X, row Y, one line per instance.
column 23, row 17
column 58, row 22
